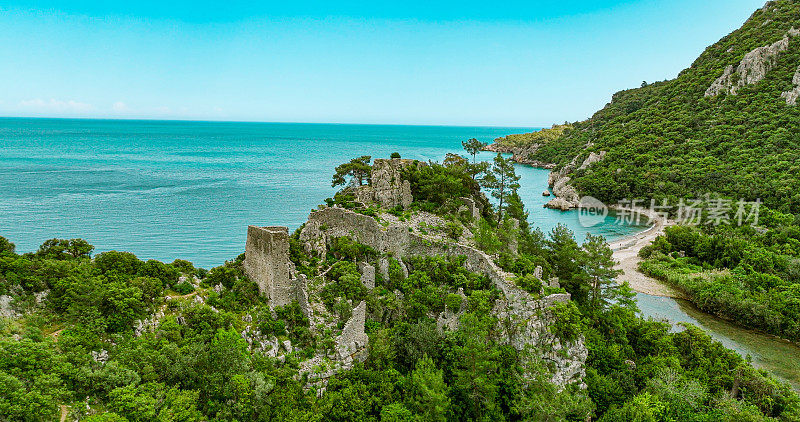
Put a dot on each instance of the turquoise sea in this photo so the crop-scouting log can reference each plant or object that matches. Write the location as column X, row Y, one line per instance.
column 167, row 190
column 174, row 189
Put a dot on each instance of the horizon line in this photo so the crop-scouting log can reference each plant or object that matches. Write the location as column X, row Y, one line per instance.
column 188, row 120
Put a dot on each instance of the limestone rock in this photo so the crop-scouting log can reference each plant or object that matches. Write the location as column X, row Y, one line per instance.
column 41, row 296
column 752, row 69
column 792, row 95
column 560, row 204
column 6, row 310
column 100, row 357
column 387, row 187
column 592, row 158
column 546, row 193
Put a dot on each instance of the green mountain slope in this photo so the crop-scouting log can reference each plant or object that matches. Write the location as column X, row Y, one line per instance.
column 670, row 139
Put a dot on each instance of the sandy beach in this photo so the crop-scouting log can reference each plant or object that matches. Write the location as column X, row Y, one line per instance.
column 626, row 253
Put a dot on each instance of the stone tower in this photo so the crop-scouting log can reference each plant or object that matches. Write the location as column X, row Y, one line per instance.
column 267, row 263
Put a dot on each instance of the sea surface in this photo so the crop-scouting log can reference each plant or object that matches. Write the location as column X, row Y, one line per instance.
column 167, row 190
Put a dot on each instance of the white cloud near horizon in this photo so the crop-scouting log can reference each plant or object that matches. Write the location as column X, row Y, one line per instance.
column 120, row 107
column 53, row 105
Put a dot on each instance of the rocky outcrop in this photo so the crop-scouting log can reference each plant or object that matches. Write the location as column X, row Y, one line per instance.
column 6, row 311
column 752, row 69
column 387, row 187
column 498, row 147
column 521, row 155
column 593, row 157
column 566, row 197
column 525, row 319
column 792, row 95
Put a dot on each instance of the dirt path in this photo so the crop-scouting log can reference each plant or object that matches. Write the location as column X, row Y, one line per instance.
column 626, row 253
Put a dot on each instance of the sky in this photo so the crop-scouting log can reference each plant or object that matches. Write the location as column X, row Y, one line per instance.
column 518, row 63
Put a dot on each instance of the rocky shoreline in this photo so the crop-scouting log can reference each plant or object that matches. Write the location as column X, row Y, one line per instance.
column 566, row 197
column 521, row 155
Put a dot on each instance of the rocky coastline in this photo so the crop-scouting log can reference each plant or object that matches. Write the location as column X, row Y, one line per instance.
column 566, row 197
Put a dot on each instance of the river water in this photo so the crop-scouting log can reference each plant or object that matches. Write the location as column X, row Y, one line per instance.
column 780, row 357
column 167, row 190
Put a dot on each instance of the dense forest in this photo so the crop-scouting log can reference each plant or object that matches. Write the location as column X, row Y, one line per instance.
column 73, row 344
column 669, row 140
column 695, row 138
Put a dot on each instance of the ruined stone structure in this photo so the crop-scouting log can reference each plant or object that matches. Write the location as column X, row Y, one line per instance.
column 353, row 340
column 367, row 275
column 267, row 263
column 524, row 319
column 471, row 207
column 387, row 188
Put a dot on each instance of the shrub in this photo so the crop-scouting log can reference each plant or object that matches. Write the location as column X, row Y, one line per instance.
column 453, row 230
column 453, row 302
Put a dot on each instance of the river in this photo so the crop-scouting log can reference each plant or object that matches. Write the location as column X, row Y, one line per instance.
column 780, row 357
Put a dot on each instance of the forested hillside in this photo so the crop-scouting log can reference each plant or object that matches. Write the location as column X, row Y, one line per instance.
column 110, row 337
column 733, row 131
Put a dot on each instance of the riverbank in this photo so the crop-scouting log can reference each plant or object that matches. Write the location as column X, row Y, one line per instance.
column 626, row 253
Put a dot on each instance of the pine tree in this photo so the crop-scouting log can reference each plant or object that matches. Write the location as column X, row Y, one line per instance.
column 428, row 391
column 357, row 170
column 502, row 181
column 600, row 276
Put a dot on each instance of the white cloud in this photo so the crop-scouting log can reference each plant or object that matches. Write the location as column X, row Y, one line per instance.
column 119, row 107
column 53, row 105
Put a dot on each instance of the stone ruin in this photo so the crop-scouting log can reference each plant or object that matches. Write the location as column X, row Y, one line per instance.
column 267, row 263
column 387, row 187
column 471, row 207
column 525, row 320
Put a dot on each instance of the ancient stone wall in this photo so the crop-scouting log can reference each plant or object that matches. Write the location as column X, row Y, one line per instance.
column 524, row 319
column 267, row 263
